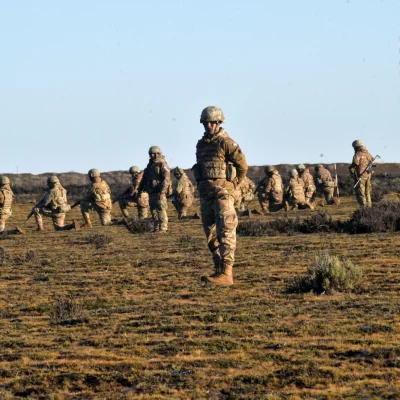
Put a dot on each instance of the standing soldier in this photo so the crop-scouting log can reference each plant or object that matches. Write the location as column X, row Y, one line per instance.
column 325, row 183
column 358, row 169
column 6, row 199
column 182, row 193
column 130, row 197
column 294, row 192
column 97, row 198
column 54, row 205
column 270, row 190
column 220, row 166
column 157, row 183
column 309, row 186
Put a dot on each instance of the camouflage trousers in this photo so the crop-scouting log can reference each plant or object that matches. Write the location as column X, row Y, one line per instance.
column 126, row 202
column 182, row 205
column 57, row 218
column 269, row 203
column 363, row 192
column 309, row 195
column 3, row 219
column 104, row 214
column 328, row 194
column 158, row 210
column 219, row 223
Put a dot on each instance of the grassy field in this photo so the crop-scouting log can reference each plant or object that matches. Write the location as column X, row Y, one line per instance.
column 131, row 319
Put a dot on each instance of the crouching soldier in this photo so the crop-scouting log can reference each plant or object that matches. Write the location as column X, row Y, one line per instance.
column 97, row 198
column 309, row 186
column 294, row 193
column 130, row 197
column 325, row 183
column 182, row 195
column 6, row 199
column 243, row 194
column 53, row 205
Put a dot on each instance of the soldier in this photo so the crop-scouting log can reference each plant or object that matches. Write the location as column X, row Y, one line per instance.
column 182, row 193
column 325, row 183
column 358, row 170
column 294, row 192
column 309, row 186
column 54, row 204
column 6, row 199
column 243, row 194
column 130, row 197
column 97, row 198
column 157, row 183
column 220, row 166
column 270, row 190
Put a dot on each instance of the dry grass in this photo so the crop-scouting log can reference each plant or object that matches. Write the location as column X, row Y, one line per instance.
column 151, row 330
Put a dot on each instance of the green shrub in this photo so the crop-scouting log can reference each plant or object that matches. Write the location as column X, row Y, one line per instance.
column 327, row 274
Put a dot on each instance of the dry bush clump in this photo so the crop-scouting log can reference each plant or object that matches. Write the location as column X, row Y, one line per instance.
column 328, row 273
column 136, row 225
column 68, row 310
column 381, row 217
column 99, row 240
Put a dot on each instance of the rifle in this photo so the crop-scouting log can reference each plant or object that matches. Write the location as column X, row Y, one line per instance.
column 337, row 183
column 368, row 169
column 28, row 217
column 76, row 204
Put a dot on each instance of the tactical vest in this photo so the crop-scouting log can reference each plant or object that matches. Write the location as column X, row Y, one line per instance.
column 210, row 157
column 187, row 186
column 59, row 197
column 136, row 180
column 101, row 193
column 297, row 189
column 5, row 207
column 276, row 183
column 152, row 176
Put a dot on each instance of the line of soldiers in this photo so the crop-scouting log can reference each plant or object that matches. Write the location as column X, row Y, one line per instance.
column 300, row 191
column 220, row 173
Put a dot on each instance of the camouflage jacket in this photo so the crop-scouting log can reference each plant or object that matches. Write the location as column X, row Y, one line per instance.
column 308, row 180
column 100, row 194
column 133, row 189
column 245, row 188
column 323, row 177
column 295, row 190
column 156, row 177
column 55, row 199
column 183, row 187
column 275, row 184
column 211, row 171
column 6, row 199
column 360, row 162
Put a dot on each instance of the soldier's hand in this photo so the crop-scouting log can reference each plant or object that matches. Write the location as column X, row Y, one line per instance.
column 162, row 196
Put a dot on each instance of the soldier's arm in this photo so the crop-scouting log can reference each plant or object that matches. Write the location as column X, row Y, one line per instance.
column 45, row 200
column 234, row 154
column 166, row 178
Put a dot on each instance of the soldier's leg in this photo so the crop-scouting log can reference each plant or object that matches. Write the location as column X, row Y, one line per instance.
column 360, row 193
column 38, row 212
column 176, row 204
column 104, row 215
column 162, row 214
column 143, row 212
column 58, row 221
column 85, row 208
column 263, row 203
column 153, row 209
column 368, row 190
column 123, row 204
column 3, row 219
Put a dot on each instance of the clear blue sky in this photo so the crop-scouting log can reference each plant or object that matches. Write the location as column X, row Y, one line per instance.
column 95, row 83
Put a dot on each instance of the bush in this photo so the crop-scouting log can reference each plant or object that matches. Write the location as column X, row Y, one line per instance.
column 381, row 217
column 68, row 310
column 136, row 225
column 328, row 273
column 99, row 240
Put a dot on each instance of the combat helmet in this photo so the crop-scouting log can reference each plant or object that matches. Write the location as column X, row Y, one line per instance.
column 178, row 170
column 357, row 143
column 269, row 168
column 155, row 150
column 212, row 113
column 94, row 173
column 52, row 180
column 293, row 173
column 134, row 169
column 301, row 167
column 4, row 180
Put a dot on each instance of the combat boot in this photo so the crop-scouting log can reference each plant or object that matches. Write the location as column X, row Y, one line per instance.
column 217, row 266
column 40, row 228
column 88, row 223
column 224, row 278
column 125, row 212
column 286, row 206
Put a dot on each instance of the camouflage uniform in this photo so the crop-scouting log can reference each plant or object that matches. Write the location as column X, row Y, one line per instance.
column 294, row 192
column 54, row 205
column 182, row 192
column 218, row 159
column 157, row 183
column 325, row 183
column 309, row 186
column 130, row 197
column 243, row 193
column 270, row 190
column 97, row 198
column 360, row 162
column 6, row 199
